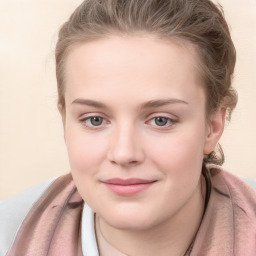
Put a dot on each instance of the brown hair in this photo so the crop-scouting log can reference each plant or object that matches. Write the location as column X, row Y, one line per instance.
column 199, row 22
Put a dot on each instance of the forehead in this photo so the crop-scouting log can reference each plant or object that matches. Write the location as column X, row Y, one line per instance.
column 136, row 62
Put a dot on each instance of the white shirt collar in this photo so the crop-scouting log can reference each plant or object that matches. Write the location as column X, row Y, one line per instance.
column 89, row 244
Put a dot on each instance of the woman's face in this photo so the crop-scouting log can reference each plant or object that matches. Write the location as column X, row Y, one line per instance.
column 135, row 128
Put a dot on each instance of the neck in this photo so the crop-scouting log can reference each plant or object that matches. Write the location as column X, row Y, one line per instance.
column 172, row 237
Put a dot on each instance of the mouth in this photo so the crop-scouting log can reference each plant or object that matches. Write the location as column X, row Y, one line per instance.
column 127, row 187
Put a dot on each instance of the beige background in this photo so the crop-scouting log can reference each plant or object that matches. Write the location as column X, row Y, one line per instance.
column 32, row 149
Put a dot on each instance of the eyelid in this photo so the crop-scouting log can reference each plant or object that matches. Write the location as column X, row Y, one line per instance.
column 162, row 114
column 91, row 115
column 171, row 119
column 84, row 117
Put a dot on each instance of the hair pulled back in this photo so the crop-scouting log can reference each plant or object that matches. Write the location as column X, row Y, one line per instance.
column 199, row 22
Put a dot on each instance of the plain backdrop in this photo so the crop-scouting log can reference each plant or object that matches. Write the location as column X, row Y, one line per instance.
column 32, row 148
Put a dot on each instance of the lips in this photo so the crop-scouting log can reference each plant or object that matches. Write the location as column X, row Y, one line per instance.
column 127, row 182
column 128, row 187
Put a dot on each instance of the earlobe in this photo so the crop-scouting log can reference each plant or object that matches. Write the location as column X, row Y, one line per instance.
column 216, row 127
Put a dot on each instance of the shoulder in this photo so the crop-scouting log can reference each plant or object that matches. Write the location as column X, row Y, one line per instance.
column 228, row 225
column 233, row 180
column 241, row 191
column 251, row 182
column 13, row 210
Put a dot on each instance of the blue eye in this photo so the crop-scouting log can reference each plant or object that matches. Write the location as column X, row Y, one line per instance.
column 93, row 121
column 162, row 121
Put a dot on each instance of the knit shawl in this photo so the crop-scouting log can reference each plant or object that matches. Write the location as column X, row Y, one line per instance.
column 53, row 225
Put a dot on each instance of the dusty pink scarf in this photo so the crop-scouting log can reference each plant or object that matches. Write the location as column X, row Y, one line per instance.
column 229, row 224
column 52, row 226
column 228, row 228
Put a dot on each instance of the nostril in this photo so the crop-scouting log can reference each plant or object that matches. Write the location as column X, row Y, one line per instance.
column 124, row 149
column 124, row 163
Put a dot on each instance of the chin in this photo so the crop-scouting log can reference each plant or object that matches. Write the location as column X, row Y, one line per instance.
column 130, row 224
column 127, row 220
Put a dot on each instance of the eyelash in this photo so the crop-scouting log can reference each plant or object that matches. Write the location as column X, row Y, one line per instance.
column 89, row 118
column 170, row 121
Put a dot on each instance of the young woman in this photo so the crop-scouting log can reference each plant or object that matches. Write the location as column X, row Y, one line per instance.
column 144, row 90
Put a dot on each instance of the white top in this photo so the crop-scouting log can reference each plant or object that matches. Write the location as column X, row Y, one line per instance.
column 89, row 244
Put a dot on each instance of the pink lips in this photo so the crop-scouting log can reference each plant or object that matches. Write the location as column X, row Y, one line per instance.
column 127, row 187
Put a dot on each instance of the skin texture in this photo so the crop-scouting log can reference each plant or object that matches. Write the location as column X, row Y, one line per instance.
column 124, row 74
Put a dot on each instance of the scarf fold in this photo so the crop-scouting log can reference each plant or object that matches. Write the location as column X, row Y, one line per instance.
column 229, row 224
column 53, row 225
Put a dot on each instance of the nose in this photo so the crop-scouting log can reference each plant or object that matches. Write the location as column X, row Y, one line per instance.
column 126, row 148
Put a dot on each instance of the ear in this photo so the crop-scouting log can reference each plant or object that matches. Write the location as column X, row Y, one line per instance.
column 63, row 117
column 215, row 129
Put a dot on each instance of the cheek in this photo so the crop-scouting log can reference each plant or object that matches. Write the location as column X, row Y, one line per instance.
column 85, row 151
column 179, row 159
column 180, row 153
column 85, row 157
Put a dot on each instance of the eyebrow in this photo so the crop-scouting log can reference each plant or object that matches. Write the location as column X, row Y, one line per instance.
column 162, row 102
column 148, row 104
column 88, row 102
